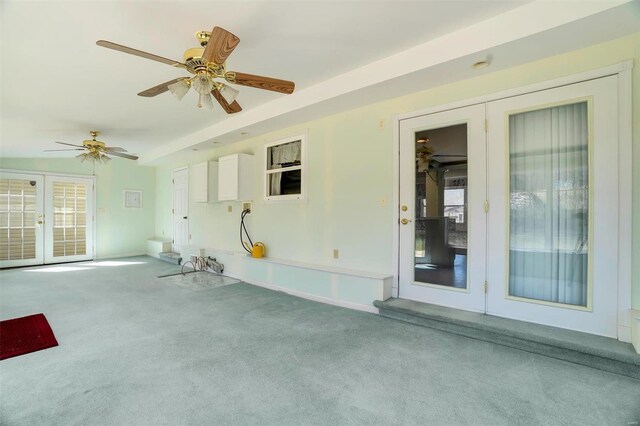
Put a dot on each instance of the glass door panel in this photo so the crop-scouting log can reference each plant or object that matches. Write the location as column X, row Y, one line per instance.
column 549, row 204
column 21, row 218
column 440, row 228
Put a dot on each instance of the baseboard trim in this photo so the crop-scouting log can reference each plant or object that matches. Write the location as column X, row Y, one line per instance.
column 308, row 296
column 119, row 256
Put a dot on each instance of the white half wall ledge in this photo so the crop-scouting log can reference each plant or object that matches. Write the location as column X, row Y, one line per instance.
column 343, row 287
column 365, row 85
column 155, row 246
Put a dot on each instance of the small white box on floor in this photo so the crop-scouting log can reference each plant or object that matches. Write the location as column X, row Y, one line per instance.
column 157, row 246
column 635, row 329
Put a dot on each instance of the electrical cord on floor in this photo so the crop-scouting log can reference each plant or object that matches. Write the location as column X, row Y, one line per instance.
column 199, row 265
column 243, row 227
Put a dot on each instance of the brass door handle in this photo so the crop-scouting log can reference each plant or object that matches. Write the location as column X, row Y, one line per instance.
column 405, row 221
column 39, row 222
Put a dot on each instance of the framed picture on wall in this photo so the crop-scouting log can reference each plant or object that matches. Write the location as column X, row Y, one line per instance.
column 132, row 199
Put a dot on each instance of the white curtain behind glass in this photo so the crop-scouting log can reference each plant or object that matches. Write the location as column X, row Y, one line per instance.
column 282, row 154
column 549, row 201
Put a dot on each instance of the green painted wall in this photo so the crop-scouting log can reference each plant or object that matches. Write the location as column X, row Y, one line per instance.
column 119, row 231
column 350, row 173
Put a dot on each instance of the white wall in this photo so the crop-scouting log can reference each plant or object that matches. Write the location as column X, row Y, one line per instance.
column 350, row 160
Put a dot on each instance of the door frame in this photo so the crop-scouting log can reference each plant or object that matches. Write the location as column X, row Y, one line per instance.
column 623, row 70
column 93, row 202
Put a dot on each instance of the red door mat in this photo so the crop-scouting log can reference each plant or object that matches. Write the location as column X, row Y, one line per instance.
column 21, row 336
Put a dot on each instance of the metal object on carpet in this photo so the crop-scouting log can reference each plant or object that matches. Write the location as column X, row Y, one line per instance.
column 171, row 257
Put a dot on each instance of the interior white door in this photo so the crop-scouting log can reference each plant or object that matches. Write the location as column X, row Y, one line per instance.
column 69, row 219
column 180, row 208
column 442, row 220
column 21, row 219
column 553, row 193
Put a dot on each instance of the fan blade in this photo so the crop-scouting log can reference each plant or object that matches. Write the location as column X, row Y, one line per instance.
column 70, row 144
column 114, row 148
column 220, row 45
column 160, row 88
column 69, row 149
column 230, row 108
column 123, row 155
column 260, row 82
column 136, row 52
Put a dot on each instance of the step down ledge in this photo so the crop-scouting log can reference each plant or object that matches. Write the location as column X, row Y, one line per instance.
column 170, row 257
column 580, row 348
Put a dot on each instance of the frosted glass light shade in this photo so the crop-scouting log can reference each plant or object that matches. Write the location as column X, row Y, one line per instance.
column 202, row 84
column 228, row 93
column 179, row 88
column 205, row 101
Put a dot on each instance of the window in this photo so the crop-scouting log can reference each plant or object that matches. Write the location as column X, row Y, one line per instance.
column 455, row 199
column 285, row 169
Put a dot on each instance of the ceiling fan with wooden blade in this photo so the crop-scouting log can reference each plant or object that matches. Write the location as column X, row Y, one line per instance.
column 208, row 65
column 95, row 150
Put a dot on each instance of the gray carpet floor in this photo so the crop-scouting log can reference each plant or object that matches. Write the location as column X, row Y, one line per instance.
column 139, row 350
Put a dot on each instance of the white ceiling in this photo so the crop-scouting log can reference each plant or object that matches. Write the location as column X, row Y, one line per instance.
column 56, row 84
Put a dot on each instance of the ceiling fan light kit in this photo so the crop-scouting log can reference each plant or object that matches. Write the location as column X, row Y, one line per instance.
column 180, row 88
column 207, row 63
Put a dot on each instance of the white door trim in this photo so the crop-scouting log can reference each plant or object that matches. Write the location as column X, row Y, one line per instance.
column 535, row 87
column 624, row 72
column 625, row 204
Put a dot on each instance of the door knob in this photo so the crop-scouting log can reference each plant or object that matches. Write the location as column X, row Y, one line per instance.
column 404, row 208
column 39, row 222
column 184, row 217
column 405, row 221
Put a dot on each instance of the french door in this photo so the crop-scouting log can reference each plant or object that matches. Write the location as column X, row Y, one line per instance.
column 442, row 221
column 45, row 219
column 519, row 218
column 553, row 219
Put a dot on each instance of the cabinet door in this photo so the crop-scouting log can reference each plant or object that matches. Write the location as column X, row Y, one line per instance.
column 228, row 178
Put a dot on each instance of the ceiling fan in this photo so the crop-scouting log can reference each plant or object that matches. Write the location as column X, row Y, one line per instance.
column 426, row 156
column 207, row 63
column 95, row 150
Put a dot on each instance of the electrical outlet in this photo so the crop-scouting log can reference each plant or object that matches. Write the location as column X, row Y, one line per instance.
column 383, row 202
column 381, row 123
column 229, row 209
column 246, row 206
column 336, row 253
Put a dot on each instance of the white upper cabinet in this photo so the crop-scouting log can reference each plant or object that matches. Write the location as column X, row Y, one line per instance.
column 203, row 182
column 236, row 177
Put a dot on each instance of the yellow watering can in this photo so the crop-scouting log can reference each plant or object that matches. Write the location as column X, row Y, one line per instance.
column 258, row 250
